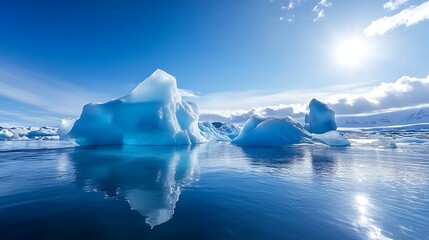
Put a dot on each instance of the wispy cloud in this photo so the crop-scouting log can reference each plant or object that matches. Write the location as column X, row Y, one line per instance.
column 393, row 4
column 44, row 92
column 319, row 9
column 406, row 17
column 289, row 6
column 15, row 118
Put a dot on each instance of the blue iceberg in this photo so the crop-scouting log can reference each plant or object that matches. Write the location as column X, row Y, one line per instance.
column 211, row 133
column 228, row 129
column 272, row 131
column 152, row 114
column 275, row 131
column 219, row 132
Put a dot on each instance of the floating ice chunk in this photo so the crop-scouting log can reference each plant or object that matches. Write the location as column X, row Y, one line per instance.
column 385, row 142
column 411, row 140
column 153, row 114
column 20, row 132
column 211, row 133
column 65, row 127
column 43, row 132
column 259, row 131
column 320, row 119
column 27, row 133
column 231, row 130
column 5, row 134
column 332, row 138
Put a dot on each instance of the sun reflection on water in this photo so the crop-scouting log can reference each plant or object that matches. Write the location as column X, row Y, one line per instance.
column 364, row 221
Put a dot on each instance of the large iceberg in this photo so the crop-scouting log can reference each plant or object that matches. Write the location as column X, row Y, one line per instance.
column 320, row 119
column 153, row 114
column 272, row 131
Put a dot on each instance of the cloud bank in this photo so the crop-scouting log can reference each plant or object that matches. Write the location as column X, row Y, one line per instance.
column 406, row 92
column 406, row 17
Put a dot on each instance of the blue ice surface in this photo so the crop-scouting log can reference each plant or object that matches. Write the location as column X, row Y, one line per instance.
column 271, row 131
column 321, row 118
column 213, row 191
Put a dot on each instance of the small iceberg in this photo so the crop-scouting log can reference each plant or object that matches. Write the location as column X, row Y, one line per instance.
column 320, row 119
column 332, row 138
column 385, row 142
column 65, row 127
column 275, row 132
column 211, row 133
column 5, row 134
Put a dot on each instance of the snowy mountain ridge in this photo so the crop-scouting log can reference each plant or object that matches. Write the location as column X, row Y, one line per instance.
column 401, row 117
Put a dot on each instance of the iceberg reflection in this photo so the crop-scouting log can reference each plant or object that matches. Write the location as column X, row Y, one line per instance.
column 149, row 178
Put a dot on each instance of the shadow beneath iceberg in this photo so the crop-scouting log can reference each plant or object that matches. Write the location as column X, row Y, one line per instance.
column 149, row 178
column 321, row 161
column 324, row 161
column 274, row 157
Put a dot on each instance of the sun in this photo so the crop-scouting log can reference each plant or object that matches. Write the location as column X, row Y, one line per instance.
column 351, row 52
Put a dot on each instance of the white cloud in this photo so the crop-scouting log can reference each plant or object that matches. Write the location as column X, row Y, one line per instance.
column 405, row 92
column 281, row 18
column 319, row 9
column 393, row 4
column 407, row 17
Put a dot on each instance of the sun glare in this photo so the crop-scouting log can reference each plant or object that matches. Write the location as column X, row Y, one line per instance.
column 351, row 52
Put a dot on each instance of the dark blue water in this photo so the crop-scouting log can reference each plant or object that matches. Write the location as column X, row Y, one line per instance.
column 213, row 191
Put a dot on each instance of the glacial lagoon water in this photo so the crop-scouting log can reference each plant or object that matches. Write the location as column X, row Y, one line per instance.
column 54, row 190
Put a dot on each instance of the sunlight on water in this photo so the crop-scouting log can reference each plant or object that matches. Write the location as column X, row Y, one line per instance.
column 364, row 221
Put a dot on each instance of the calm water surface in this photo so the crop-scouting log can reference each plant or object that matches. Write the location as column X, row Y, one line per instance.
column 53, row 190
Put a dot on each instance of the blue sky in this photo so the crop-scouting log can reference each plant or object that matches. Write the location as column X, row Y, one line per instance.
column 55, row 56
